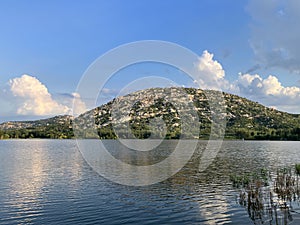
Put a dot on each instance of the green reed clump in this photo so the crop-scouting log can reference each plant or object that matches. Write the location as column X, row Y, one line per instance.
column 267, row 197
column 284, row 184
column 261, row 176
column 240, row 181
column 297, row 169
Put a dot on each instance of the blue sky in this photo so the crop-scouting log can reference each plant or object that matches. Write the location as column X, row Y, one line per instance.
column 54, row 42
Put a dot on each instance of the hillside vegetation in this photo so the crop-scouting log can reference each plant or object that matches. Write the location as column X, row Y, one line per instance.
column 245, row 119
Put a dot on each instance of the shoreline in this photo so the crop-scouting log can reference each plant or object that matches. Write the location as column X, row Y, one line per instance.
column 225, row 139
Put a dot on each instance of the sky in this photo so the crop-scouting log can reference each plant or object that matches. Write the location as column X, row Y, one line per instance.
column 249, row 48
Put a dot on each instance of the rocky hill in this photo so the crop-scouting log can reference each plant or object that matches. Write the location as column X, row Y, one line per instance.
column 244, row 119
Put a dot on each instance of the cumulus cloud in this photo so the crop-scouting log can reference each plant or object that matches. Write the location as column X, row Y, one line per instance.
column 211, row 67
column 275, row 34
column 36, row 98
column 270, row 86
column 211, row 74
column 31, row 97
column 269, row 91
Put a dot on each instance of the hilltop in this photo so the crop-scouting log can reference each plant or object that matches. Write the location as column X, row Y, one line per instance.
column 244, row 118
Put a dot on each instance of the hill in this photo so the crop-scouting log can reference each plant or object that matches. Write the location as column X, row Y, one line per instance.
column 55, row 127
column 244, row 118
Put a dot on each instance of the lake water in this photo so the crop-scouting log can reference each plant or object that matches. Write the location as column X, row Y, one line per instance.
column 49, row 182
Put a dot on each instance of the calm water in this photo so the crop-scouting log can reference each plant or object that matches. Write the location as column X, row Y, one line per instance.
column 48, row 182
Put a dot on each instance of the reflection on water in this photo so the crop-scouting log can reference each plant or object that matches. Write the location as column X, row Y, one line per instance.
column 48, row 182
column 137, row 168
column 27, row 170
column 28, row 182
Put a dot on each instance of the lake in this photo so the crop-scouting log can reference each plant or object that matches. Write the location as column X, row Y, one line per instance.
column 49, row 182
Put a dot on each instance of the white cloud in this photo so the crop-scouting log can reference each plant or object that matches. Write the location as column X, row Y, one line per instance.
column 31, row 97
column 210, row 67
column 36, row 98
column 269, row 91
column 211, row 74
column 254, row 84
column 272, row 86
column 249, row 84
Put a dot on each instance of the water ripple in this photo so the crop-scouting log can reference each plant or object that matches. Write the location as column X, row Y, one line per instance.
column 48, row 182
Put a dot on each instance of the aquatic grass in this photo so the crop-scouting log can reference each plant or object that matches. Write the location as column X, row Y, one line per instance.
column 297, row 169
column 240, row 181
column 268, row 198
column 261, row 176
column 284, row 184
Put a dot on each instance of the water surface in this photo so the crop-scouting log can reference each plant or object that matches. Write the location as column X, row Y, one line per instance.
column 48, row 182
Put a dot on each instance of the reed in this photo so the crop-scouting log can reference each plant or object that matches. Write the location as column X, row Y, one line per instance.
column 268, row 198
column 297, row 169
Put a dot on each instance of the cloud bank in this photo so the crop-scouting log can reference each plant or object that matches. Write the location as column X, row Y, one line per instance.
column 268, row 91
